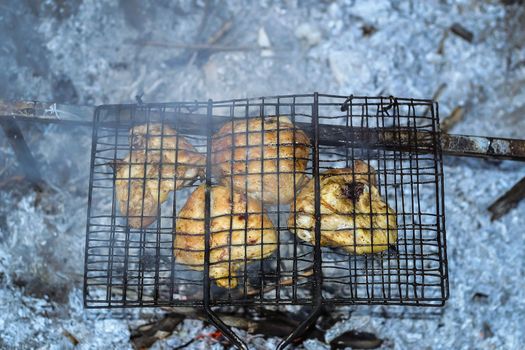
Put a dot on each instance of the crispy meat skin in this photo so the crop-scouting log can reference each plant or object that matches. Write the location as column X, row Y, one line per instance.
column 150, row 174
column 252, row 165
column 348, row 198
column 237, row 224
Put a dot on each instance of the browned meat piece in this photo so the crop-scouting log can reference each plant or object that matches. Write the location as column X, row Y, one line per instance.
column 258, row 153
column 240, row 231
column 146, row 177
column 353, row 214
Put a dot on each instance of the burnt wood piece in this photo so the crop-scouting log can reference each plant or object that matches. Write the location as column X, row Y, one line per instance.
column 508, row 201
column 400, row 139
column 27, row 162
column 144, row 336
column 356, row 340
column 269, row 323
column 462, row 32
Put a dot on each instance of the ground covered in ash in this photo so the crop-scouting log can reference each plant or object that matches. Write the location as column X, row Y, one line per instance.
column 95, row 52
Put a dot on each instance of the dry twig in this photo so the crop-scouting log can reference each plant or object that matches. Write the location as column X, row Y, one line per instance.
column 455, row 117
column 508, row 201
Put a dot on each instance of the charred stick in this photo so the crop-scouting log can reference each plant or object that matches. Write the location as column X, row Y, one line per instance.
column 462, row 32
column 508, row 201
column 356, row 340
column 71, row 337
column 23, row 153
column 441, row 45
column 144, row 336
column 269, row 323
column 184, row 345
column 390, row 138
column 229, row 319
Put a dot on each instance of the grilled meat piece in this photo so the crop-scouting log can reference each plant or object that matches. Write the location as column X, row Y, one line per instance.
column 353, row 214
column 160, row 162
column 240, row 232
column 250, row 152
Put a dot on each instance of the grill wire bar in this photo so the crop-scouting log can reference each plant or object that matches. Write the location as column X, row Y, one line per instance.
column 170, row 224
column 317, row 265
column 212, row 316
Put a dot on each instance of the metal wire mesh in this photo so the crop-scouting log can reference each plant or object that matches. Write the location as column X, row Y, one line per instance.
column 224, row 177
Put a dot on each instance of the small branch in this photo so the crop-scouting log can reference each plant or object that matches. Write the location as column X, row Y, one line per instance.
column 441, row 44
column 144, row 336
column 455, row 117
column 194, row 46
column 508, row 201
column 436, row 96
column 462, row 32
column 225, row 28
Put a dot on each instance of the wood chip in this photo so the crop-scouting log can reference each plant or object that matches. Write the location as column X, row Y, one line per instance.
column 147, row 335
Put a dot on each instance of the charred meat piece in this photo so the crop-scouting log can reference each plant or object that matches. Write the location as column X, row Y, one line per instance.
column 160, row 162
column 264, row 157
column 241, row 232
column 353, row 214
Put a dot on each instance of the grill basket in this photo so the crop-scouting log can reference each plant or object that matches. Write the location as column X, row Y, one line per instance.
column 399, row 138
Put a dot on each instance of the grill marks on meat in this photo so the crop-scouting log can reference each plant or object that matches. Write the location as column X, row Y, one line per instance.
column 265, row 157
column 240, row 233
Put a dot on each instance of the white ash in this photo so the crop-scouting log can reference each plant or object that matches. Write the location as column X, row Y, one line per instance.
column 91, row 48
column 310, row 34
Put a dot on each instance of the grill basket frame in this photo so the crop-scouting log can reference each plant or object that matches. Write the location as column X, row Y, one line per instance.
column 400, row 138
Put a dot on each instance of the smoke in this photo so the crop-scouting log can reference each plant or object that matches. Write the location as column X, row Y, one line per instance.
column 104, row 52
